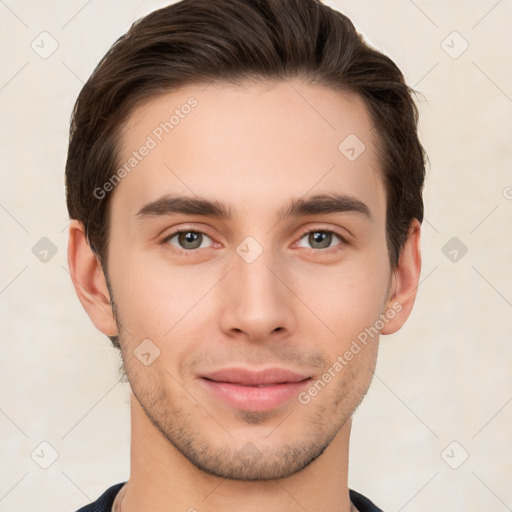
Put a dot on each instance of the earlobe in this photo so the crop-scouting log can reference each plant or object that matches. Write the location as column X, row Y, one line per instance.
column 89, row 280
column 405, row 281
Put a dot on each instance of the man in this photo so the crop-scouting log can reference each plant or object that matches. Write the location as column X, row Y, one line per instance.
column 245, row 181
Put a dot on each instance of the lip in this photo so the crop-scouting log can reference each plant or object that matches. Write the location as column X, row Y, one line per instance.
column 256, row 391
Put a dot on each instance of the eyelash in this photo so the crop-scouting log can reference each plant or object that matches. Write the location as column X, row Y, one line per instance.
column 329, row 250
column 190, row 252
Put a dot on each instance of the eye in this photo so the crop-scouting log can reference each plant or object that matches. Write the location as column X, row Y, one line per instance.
column 187, row 239
column 321, row 238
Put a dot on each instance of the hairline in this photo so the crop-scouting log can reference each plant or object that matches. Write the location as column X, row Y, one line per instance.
column 243, row 80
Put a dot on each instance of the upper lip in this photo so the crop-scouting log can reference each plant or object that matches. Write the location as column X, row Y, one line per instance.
column 247, row 377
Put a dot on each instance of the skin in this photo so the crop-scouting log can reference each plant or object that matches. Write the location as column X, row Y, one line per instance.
column 299, row 305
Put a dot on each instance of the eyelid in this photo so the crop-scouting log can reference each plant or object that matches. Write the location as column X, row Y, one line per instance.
column 184, row 229
column 301, row 235
column 323, row 229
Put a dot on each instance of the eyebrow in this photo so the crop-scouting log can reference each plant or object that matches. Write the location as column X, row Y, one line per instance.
column 314, row 205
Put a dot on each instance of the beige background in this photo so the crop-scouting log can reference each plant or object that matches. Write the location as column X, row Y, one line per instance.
column 445, row 378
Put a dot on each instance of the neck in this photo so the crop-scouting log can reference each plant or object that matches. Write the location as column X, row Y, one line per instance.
column 162, row 479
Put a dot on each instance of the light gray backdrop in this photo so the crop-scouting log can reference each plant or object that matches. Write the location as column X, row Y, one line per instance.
column 434, row 432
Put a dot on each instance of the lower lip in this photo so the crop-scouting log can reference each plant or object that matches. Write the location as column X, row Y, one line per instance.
column 251, row 398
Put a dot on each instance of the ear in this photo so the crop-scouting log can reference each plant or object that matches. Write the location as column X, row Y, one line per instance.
column 404, row 282
column 89, row 280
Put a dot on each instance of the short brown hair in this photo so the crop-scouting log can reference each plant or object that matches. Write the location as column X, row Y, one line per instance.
column 200, row 41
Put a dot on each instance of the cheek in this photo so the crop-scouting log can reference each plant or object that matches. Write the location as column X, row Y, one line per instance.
column 154, row 298
column 158, row 299
column 347, row 298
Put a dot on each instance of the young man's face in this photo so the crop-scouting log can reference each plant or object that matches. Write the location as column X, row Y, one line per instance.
column 263, row 289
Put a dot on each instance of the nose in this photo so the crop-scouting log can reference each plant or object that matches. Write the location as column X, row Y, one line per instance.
column 256, row 300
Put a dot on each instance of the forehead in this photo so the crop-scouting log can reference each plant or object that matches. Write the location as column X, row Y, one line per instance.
column 250, row 146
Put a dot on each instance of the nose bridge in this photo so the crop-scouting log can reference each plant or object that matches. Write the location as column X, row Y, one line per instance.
column 258, row 302
column 255, row 277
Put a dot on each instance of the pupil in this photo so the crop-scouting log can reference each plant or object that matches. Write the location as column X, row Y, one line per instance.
column 320, row 236
column 190, row 237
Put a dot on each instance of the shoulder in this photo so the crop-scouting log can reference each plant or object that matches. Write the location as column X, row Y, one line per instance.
column 362, row 503
column 105, row 501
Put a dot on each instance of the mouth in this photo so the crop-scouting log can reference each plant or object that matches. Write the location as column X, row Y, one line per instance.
column 255, row 391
